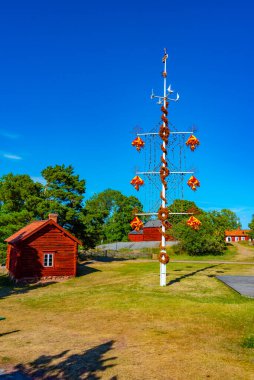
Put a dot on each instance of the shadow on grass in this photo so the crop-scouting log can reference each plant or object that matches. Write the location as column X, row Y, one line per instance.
column 86, row 365
column 83, row 269
column 8, row 332
column 108, row 259
column 8, row 287
column 178, row 279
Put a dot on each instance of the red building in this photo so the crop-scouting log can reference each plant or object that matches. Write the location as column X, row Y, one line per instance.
column 42, row 249
column 136, row 235
column 236, row 235
column 150, row 232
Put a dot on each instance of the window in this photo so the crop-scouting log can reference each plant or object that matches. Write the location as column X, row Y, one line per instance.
column 242, row 238
column 48, row 260
column 236, row 238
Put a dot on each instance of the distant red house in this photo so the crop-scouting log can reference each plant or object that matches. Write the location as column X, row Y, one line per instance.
column 150, row 232
column 42, row 249
column 236, row 235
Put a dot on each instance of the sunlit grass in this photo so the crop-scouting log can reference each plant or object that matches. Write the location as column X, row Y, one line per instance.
column 193, row 328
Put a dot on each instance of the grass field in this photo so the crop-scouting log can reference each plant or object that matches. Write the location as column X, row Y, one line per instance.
column 115, row 322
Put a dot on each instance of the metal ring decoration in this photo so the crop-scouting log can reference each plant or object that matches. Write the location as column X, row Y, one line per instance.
column 163, row 214
column 163, row 258
column 164, row 171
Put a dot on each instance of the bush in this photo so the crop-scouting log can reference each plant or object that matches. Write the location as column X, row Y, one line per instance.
column 248, row 342
column 208, row 240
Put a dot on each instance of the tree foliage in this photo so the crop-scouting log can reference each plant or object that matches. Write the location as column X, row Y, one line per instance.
column 107, row 216
column 208, row 240
column 18, row 193
column 226, row 220
column 251, row 226
column 23, row 200
column 181, row 206
column 104, row 217
column 64, row 194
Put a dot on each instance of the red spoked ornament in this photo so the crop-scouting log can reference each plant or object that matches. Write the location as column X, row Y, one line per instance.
column 137, row 182
column 193, row 183
column 163, row 258
column 136, row 224
column 194, row 223
column 192, row 142
column 138, row 143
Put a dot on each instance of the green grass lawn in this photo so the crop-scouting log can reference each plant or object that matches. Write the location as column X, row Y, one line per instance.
column 114, row 321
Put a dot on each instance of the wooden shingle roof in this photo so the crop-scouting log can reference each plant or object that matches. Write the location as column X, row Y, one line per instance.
column 33, row 227
column 237, row 233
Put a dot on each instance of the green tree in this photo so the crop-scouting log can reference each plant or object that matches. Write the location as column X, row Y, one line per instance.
column 23, row 200
column 208, row 240
column 251, row 226
column 18, row 193
column 226, row 220
column 63, row 194
column 180, row 205
column 10, row 222
column 108, row 215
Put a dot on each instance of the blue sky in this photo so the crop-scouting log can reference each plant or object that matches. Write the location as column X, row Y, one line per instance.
column 76, row 79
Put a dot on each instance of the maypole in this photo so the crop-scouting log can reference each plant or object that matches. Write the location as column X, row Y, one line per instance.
column 164, row 171
column 164, row 133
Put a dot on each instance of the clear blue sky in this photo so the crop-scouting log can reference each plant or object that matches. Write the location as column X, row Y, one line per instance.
column 76, row 77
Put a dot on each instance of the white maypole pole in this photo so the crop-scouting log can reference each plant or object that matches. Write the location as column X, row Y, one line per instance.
column 164, row 133
column 163, row 265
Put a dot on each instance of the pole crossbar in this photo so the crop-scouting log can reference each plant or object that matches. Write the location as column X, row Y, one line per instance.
column 170, row 213
column 159, row 172
column 157, row 133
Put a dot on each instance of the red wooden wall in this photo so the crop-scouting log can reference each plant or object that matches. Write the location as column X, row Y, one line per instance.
column 233, row 238
column 136, row 237
column 149, row 234
column 26, row 260
column 152, row 234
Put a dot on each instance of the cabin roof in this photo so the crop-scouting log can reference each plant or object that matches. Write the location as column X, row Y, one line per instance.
column 237, row 233
column 150, row 224
column 134, row 232
column 153, row 223
column 34, row 227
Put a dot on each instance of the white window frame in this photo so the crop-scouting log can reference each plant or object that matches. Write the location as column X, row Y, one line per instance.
column 236, row 238
column 47, row 257
column 228, row 239
column 242, row 238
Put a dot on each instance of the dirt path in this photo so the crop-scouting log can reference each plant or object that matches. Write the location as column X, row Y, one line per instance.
column 244, row 253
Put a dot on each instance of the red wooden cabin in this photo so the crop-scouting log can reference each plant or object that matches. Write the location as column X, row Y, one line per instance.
column 136, row 235
column 42, row 249
column 150, row 232
column 237, row 235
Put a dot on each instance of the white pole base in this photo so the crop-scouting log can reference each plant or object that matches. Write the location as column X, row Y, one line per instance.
column 163, row 272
